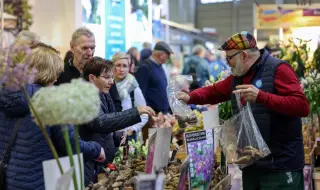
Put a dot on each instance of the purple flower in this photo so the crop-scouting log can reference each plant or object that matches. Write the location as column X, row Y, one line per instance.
column 14, row 68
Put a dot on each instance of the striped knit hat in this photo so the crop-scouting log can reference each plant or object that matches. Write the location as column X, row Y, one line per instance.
column 240, row 41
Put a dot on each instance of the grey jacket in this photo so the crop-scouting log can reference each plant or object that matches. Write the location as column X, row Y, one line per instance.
column 201, row 67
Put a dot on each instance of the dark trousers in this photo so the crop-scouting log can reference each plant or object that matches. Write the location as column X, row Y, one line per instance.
column 253, row 179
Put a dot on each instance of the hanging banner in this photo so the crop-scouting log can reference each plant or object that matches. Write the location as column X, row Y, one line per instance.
column 118, row 24
column 93, row 17
column 115, row 27
column 286, row 16
column 157, row 30
column 138, row 23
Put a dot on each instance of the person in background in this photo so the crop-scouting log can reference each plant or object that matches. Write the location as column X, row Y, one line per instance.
column 277, row 102
column 83, row 46
column 133, row 65
column 134, row 59
column 129, row 91
column 26, row 38
column 102, row 129
column 146, row 52
column 146, row 45
column 68, row 56
column 152, row 78
column 217, row 65
column 197, row 67
column 135, row 53
column 30, row 149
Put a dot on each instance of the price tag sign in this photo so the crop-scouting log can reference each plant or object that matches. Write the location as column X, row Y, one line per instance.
column 147, row 185
column 64, row 181
column 145, row 182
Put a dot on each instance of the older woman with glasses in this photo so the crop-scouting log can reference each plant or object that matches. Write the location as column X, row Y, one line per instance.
column 100, row 72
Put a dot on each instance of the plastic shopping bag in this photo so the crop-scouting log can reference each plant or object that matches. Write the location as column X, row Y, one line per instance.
column 241, row 139
column 178, row 107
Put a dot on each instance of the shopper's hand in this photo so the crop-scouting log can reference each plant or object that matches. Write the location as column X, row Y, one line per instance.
column 183, row 97
column 129, row 132
column 146, row 110
column 182, row 120
column 186, row 88
column 123, row 140
column 248, row 92
column 193, row 119
column 102, row 156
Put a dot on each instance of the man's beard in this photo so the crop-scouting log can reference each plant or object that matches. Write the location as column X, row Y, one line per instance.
column 238, row 69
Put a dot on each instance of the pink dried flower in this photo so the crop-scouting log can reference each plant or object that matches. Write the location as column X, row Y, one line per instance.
column 14, row 68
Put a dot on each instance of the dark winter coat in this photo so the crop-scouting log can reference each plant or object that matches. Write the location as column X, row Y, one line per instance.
column 30, row 149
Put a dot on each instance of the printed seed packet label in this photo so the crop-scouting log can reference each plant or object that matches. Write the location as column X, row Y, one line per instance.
column 65, row 180
column 200, row 150
column 145, row 182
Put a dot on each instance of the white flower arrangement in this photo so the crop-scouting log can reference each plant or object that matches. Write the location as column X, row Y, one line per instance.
column 75, row 103
column 311, row 88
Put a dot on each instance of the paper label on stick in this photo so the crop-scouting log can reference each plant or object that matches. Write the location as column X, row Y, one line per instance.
column 64, row 181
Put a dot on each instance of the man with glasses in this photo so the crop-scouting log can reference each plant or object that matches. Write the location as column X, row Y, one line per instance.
column 277, row 102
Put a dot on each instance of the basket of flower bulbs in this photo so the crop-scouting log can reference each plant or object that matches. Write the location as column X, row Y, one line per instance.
column 129, row 161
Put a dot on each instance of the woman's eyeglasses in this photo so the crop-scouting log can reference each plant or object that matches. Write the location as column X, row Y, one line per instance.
column 108, row 77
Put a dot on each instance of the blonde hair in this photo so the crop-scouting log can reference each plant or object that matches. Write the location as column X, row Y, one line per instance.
column 118, row 56
column 26, row 38
column 48, row 63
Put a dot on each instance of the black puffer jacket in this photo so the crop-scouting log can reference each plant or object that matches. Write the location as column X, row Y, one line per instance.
column 102, row 130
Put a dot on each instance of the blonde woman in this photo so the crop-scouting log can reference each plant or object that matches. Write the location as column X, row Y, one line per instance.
column 30, row 149
column 129, row 91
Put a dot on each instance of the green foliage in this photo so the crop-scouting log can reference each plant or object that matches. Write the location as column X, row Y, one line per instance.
column 296, row 54
column 136, row 151
column 312, row 90
column 224, row 108
column 20, row 7
column 316, row 59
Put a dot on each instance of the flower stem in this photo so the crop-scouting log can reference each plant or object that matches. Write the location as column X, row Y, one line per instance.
column 43, row 130
column 77, row 143
column 65, row 132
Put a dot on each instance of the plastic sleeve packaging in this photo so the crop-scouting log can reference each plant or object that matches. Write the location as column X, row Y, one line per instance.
column 178, row 107
column 241, row 139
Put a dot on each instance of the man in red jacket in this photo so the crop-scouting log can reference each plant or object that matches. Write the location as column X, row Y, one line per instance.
column 277, row 102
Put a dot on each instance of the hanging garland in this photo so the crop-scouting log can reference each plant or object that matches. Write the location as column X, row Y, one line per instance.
column 20, row 9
